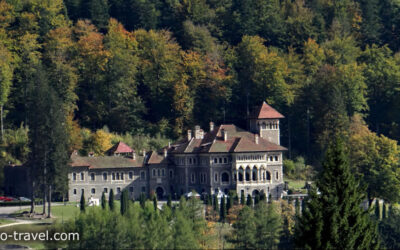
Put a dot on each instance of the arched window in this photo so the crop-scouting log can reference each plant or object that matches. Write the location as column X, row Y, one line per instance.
column 248, row 174
column 254, row 174
column 268, row 174
column 241, row 175
column 271, row 158
column 225, row 177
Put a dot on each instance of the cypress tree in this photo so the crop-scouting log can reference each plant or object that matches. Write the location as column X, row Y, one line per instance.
column 384, row 210
column 142, row 200
column 124, row 202
column 242, row 198
column 334, row 217
column 216, row 207
column 155, row 202
column 103, row 201
column 256, row 199
column 169, row 202
column 377, row 210
column 111, row 200
column 222, row 213
column 209, row 201
column 244, row 229
column 249, row 201
column 229, row 204
column 83, row 204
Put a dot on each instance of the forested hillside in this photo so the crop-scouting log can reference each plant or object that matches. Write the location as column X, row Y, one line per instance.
column 152, row 68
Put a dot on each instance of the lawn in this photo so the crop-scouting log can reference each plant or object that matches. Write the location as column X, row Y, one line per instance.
column 5, row 221
column 296, row 184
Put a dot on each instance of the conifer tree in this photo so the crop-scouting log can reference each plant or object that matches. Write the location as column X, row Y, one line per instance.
column 209, row 200
column 229, row 203
column 249, row 201
column 142, row 200
column 216, row 205
column 111, row 200
column 244, row 229
column 242, row 198
column 82, row 202
column 103, row 201
column 124, row 202
column 268, row 226
column 377, row 210
column 334, row 217
column 155, row 202
column 169, row 202
column 222, row 213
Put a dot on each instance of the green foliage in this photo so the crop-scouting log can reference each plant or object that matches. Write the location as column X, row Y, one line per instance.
column 111, row 203
column 334, row 217
column 215, row 203
column 82, row 204
column 223, row 209
column 249, row 200
column 389, row 231
column 377, row 210
column 244, row 229
column 268, row 226
column 124, row 202
column 103, row 201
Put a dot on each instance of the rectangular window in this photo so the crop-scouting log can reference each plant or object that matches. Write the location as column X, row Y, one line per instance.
column 130, row 175
column 142, row 175
column 113, row 176
column 105, row 190
column 154, row 172
column 74, row 191
column 276, row 158
column 92, row 177
column 104, row 176
column 158, row 172
column 193, row 178
column 117, row 176
column 118, row 190
column 74, row 176
column 171, row 174
column 122, row 176
column 93, row 190
column 82, row 176
column 277, row 175
column 225, row 160
column 216, row 177
column 163, row 172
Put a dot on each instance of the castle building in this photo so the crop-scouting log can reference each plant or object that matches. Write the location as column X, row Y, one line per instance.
column 224, row 158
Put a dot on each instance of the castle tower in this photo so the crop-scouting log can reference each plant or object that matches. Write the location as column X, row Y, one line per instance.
column 264, row 120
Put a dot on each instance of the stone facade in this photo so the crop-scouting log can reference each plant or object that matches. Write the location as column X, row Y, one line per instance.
column 224, row 158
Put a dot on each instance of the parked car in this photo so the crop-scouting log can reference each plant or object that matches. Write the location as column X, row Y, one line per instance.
column 24, row 199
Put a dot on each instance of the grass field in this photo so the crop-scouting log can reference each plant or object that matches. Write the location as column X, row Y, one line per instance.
column 5, row 221
column 296, row 184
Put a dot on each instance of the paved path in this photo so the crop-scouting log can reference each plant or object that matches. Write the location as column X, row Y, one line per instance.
column 6, row 211
column 19, row 222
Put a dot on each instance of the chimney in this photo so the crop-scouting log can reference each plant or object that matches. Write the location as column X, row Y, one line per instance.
column 211, row 126
column 224, row 134
column 165, row 153
column 189, row 135
column 133, row 155
column 256, row 137
column 198, row 133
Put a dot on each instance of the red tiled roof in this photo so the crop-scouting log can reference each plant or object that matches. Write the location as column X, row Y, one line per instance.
column 120, row 147
column 265, row 112
column 238, row 140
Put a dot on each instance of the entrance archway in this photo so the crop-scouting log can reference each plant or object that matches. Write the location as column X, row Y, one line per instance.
column 160, row 193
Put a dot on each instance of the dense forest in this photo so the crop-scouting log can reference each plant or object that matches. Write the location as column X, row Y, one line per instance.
column 89, row 73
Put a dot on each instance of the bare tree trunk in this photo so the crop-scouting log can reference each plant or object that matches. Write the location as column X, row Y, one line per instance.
column 44, row 200
column 33, row 198
column 49, row 203
column 1, row 123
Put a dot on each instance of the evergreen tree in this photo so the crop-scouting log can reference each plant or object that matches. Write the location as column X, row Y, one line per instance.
column 155, row 202
column 124, row 202
column 384, row 211
column 377, row 210
column 209, row 200
column 242, row 198
column 249, row 201
column 98, row 12
column 256, row 199
column 268, row 226
column 244, row 229
column 169, row 202
column 389, row 230
column 229, row 203
column 103, row 201
column 111, row 200
column 222, row 212
column 334, row 218
column 142, row 200
column 215, row 203
column 82, row 202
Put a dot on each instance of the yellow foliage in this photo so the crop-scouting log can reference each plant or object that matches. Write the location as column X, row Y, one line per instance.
column 101, row 141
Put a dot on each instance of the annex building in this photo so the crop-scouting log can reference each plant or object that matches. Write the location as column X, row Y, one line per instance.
column 220, row 159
